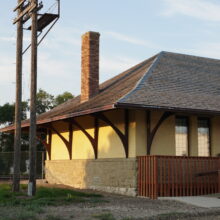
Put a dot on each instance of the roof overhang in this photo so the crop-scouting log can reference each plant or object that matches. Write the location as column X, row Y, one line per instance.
column 170, row 109
column 201, row 112
column 26, row 124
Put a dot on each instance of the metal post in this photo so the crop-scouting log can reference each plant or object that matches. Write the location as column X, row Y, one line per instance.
column 32, row 133
column 18, row 105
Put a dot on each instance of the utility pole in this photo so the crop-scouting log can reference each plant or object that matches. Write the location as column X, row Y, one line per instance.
column 28, row 9
column 33, row 131
column 18, row 105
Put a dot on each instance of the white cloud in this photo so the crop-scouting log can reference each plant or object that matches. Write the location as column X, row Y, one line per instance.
column 129, row 39
column 200, row 9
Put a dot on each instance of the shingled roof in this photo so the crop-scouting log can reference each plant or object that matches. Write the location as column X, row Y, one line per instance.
column 168, row 81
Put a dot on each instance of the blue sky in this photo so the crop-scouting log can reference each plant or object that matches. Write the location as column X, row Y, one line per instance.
column 131, row 31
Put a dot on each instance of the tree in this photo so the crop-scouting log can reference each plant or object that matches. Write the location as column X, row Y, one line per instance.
column 44, row 102
column 7, row 118
column 7, row 113
column 62, row 98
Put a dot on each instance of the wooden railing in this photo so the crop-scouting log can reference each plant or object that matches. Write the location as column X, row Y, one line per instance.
column 160, row 176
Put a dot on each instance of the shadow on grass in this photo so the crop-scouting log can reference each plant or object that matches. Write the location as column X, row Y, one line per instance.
column 45, row 197
column 18, row 206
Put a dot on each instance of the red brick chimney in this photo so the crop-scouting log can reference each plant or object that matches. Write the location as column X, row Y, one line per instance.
column 90, row 65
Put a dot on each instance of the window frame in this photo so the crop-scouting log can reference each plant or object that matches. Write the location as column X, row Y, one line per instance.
column 209, row 135
column 186, row 118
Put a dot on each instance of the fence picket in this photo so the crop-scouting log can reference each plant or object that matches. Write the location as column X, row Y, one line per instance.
column 177, row 176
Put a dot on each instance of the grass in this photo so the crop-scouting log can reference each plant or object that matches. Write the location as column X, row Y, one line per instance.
column 17, row 206
column 44, row 197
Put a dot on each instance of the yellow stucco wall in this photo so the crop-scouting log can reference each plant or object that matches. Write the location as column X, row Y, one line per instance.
column 58, row 149
column 141, row 137
column 132, row 133
column 215, row 136
column 81, row 146
column 110, row 145
column 164, row 140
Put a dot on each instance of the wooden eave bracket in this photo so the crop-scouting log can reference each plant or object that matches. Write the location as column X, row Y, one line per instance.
column 93, row 140
column 47, row 145
column 151, row 134
column 68, row 143
column 123, row 137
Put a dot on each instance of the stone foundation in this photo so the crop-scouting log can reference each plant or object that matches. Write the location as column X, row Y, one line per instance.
column 110, row 175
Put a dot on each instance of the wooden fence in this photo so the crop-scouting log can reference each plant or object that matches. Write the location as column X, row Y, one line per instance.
column 160, row 176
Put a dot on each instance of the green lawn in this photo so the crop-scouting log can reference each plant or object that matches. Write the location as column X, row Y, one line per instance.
column 17, row 206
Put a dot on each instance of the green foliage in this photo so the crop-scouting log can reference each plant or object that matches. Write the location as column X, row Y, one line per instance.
column 44, row 101
column 44, row 197
column 6, row 142
column 7, row 117
column 7, row 113
column 62, row 98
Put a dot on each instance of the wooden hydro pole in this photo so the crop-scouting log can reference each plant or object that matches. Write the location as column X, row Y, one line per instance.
column 28, row 9
column 33, row 91
column 18, row 111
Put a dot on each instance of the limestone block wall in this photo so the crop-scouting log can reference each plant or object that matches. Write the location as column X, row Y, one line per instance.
column 117, row 175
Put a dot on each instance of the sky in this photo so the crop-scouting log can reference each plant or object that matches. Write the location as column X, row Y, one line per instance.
column 131, row 31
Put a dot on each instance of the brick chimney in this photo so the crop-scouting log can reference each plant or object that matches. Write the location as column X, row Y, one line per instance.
column 90, row 65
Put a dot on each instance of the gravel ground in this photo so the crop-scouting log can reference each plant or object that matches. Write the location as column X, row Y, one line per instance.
column 128, row 208
column 124, row 207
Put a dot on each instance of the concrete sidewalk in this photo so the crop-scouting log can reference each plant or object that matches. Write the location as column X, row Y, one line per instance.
column 212, row 201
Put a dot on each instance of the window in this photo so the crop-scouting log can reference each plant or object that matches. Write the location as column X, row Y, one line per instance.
column 203, row 137
column 181, row 136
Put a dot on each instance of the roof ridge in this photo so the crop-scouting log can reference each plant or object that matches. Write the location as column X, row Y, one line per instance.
column 144, row 77
column 191, row 55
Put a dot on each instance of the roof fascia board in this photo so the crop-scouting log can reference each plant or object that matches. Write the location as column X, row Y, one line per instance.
column 171, row 109
column 58, row 118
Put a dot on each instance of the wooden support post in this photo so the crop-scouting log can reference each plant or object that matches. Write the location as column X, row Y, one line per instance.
column 148, row 121
column 218, row 181
column 68, row 143
column 126, row 122
column 123, row 137
column 18, row 104
column 47, row 145
column 70, row 140
column 92, row 140
column 96, row 137
column 32, row 137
